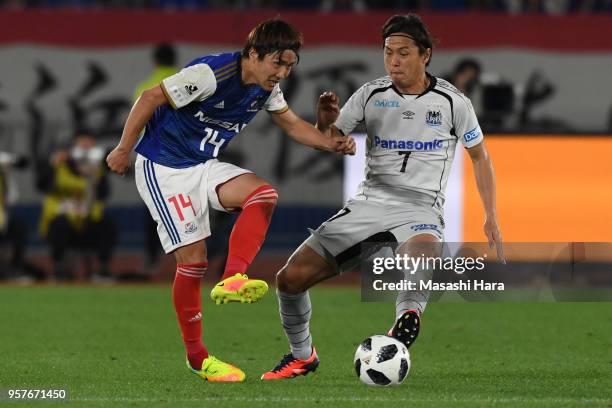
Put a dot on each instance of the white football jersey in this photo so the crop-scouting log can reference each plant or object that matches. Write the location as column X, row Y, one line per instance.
column 411, row 139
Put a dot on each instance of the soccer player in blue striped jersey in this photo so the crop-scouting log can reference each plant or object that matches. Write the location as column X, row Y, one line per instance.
column 188, row 120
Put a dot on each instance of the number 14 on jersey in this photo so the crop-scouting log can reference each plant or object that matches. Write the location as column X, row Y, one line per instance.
column 212, row 138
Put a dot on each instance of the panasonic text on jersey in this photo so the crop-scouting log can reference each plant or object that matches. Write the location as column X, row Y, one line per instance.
column 408, row 144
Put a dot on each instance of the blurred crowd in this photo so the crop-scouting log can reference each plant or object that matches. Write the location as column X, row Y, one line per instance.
column 73, row 181
column 555, row 7
column 73, row 178
column 79, row 236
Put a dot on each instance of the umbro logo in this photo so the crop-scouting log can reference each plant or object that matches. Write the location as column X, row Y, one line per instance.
column 191, row 89
column 220, row 105
column 408, row 115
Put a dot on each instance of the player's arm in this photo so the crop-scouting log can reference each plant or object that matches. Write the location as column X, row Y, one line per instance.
column 193, row 83
column 119, row 158
column 485, row 181
column 335, row 122
column 469, row 133
column 307, row 134
column 328, row 110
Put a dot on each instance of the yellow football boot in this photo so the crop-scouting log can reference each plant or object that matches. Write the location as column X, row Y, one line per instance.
column 218, row 371
column 238, row 288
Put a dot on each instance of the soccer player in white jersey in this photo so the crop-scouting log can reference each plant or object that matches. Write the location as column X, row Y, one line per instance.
column 188, row 121
column 414, row 122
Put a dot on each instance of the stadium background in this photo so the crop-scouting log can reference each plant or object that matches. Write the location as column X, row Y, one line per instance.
column 64, row 69
column 66, row 64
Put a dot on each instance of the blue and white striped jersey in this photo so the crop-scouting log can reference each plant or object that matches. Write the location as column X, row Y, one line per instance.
column 209, row 105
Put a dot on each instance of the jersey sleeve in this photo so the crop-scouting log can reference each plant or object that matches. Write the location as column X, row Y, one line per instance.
column 193, row 83
column 276, row 102
column 466, row 124
column 353, row 112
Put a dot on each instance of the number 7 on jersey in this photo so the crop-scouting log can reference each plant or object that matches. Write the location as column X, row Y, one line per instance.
column 407, row 155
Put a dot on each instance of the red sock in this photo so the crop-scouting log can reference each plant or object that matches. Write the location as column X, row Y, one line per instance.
column 188, row 306
column 250, row 229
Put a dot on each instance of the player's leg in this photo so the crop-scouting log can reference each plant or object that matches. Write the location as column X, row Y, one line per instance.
column 255, row 200
column 334, row 246
column 304, row 269
column 410, row 305
column 191, row 264
column 174, row 201
column 426, row 245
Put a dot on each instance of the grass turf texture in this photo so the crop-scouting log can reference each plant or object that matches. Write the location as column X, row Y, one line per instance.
column 120, row 346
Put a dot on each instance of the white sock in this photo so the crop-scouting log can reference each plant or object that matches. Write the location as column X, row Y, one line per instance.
column 295, row 312
column 411, row 300
column 414, row 299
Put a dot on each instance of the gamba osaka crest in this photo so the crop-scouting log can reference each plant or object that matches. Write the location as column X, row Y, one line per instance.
column 433, row 117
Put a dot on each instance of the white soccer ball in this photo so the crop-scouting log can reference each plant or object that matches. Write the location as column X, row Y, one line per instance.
column 382, row 360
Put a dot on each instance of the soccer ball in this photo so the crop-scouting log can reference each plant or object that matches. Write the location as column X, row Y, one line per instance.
column 382, row 360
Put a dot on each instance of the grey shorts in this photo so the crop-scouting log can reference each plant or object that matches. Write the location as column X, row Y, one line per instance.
column 340, row 238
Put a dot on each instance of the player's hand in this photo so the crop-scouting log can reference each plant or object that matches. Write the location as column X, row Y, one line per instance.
column 348, row 146
column 328, row 109
column 118, row 160
column 342, row 144
column 491, row 230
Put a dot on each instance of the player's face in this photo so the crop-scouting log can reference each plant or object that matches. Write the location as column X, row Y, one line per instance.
column 273, row 68
column 403, row 62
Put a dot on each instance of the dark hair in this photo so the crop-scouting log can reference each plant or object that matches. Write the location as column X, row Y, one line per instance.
column 467, row 63
column 412, row 26
column 272, row 36
column 164, row 54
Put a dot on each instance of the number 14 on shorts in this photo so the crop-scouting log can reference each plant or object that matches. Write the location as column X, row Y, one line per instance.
column 179, row 202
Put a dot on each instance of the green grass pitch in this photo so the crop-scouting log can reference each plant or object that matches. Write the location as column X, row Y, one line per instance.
column 120, row 346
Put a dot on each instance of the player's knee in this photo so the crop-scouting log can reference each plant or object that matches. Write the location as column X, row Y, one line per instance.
column 270, row 194
column 284, row 283
column 191, row 254
column 265, row 195
column 192, row 260
column 290, row 279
